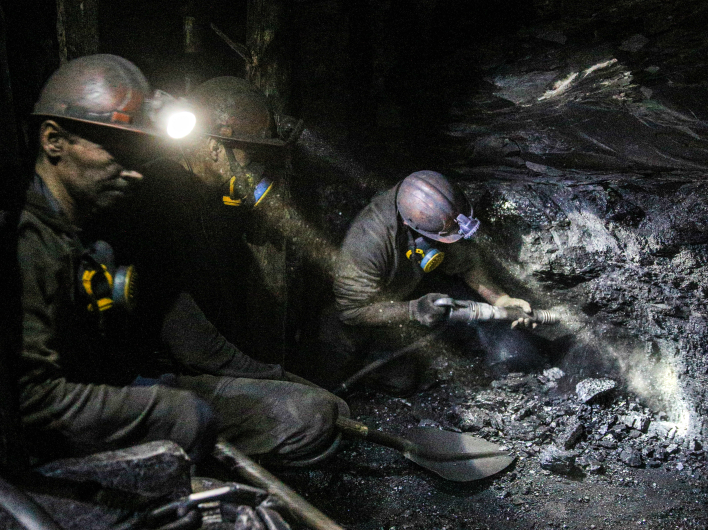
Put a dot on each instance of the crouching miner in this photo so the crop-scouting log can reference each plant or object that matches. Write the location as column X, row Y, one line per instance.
column 421, row 225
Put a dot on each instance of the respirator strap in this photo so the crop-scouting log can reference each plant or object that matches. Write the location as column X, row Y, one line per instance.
column 424, row 254
column 230, row 200
column 92, row 274
column 255, row 195
column 413, row 253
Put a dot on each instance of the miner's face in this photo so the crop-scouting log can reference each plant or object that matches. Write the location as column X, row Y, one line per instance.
column 218, row 169
column 96, row 177
column 95, row 172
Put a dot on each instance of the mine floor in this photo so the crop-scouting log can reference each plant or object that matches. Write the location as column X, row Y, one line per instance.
column 614, row 476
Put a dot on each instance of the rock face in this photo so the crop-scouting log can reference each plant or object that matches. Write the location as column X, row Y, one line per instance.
column 557, row 461
column 99, row 490
column 586, row 163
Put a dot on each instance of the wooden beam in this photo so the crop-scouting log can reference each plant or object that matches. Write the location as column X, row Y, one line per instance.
column 77, row 28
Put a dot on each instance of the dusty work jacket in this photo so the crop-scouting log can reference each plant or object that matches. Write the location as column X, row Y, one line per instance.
column 373, row 267
column 66, row 358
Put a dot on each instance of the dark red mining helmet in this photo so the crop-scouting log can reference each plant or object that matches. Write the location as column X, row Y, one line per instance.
column 100, row 89
column 433, row 206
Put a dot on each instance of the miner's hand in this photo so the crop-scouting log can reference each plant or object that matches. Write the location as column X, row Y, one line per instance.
column 506, row 301
column 425, row 312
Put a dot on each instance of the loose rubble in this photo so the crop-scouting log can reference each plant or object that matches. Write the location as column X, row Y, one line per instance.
column 557, row 460
column 593, row 424
column 612, row 458
column 590, row 389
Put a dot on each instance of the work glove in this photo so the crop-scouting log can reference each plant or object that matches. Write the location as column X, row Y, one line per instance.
column 506, row 301
column 425, row 312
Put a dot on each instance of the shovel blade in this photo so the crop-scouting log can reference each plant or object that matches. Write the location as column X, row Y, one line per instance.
column 456, row 456
column 436, row 444
column 459, row 470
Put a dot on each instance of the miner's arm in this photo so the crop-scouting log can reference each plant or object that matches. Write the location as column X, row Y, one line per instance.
column 478, row 278
column 196, row 344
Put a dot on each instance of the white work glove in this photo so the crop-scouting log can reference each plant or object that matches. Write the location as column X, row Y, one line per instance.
column 506, row 301
column 425, row 312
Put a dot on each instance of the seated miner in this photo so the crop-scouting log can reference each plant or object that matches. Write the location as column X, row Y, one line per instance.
column 421, row 225
column 85, row 386
column 214, row 200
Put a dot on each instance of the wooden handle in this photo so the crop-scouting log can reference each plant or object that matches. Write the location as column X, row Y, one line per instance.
column 359, row 430
column 298, row 507
column 351, row 427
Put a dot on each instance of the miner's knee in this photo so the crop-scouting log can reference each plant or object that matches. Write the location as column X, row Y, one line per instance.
column 193, row 424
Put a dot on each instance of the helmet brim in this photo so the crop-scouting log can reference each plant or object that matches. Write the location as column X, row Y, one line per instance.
column 451, row 238
column 118, row 126
column 249, row 140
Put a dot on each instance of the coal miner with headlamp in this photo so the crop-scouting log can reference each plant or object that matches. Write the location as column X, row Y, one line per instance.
column 217, row 195
column 421, row 227
column 85, row 384
column 217, row 192
column 235, row 124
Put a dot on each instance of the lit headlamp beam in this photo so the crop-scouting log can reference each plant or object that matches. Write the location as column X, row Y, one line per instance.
column 171, row 115
column 282, row 217
column 180, row 124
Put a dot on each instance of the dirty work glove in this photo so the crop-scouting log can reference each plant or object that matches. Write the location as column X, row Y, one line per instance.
column 506, row 301
column 425, row 312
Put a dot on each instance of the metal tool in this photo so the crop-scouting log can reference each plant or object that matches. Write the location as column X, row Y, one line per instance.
column 461, row 311
column 459, row 457
column 249, row 470
column 24, row 509
column 466, row 311
column 231, row 493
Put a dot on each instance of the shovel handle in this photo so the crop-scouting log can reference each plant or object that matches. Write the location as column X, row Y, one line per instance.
column 359, row 430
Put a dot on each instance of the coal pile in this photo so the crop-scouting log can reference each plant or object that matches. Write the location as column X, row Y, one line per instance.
column 591, row 430
column 589, row 455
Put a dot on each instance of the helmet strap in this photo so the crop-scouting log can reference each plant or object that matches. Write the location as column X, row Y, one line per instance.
column 422, row 252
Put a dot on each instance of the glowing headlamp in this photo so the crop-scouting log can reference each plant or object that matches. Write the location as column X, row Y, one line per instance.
column 172, row 115
column 180, row 124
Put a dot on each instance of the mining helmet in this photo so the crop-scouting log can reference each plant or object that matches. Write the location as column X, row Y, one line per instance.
column 433, row 206
column 232, row 109
column 234, row 112
column 100, row 89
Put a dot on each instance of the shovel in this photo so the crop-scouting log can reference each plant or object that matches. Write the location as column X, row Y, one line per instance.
column 454, row 456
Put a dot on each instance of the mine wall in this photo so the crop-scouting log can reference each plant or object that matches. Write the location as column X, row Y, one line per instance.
column 631, row 289
column 584, row 152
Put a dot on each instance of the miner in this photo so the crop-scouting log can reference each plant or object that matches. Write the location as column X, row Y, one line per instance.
column 213, row 192
column 92, row 377
column 421, row 225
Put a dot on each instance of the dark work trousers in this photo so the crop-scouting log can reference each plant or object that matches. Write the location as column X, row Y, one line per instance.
column 80, row 419
column 259, row 407
column 289, row 420
column 342, row 350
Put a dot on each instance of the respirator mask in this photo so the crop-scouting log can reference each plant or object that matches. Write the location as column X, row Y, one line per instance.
column 248, row 186
column 104, row 284
column 422, row 249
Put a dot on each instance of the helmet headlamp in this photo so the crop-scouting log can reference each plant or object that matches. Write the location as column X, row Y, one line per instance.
column 468, row 225
column 172, row 115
